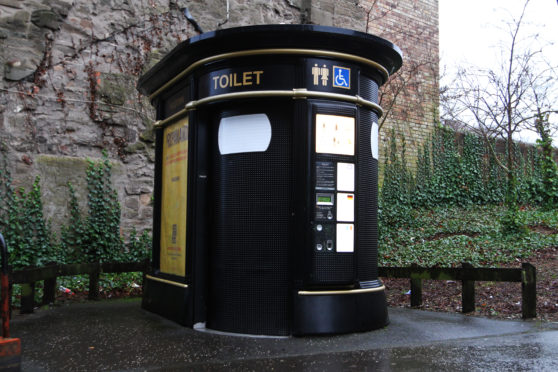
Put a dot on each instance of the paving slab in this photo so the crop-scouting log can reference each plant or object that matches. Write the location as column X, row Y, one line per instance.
column 119, row 335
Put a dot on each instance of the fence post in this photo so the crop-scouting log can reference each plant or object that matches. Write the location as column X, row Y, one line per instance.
column 467, row 292
column 528, row 290
column 94, row 285
column 27, row 298
column 10, row 295
column 416, row 288
column 49, row 291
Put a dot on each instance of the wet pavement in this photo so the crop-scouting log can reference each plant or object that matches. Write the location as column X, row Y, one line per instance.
column 119, row 335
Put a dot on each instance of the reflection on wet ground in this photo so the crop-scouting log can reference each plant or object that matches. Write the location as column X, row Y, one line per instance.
column 119, row 335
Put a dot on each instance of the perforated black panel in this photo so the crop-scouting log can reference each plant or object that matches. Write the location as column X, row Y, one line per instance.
column 368, row 89
column 333, row 267
column 367, row 199
column 250, row 271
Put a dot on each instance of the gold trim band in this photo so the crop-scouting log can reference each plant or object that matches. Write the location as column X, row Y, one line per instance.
column 177, row 284
column 342, row 292
column 244, row 53
column 295, row 93
column 173, row 117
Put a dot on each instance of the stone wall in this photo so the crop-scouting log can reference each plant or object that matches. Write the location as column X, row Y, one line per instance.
column 69, row 69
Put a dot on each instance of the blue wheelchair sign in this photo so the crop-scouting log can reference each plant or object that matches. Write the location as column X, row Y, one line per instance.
column 341, row 77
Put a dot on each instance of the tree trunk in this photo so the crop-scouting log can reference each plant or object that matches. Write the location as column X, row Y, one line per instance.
column 511, row 197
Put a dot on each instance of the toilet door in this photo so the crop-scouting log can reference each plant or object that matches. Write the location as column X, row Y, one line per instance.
column 250, row 203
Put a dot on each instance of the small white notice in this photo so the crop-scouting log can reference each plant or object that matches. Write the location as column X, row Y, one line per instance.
column 345, row 207
column 335, row 134
column 244, row 133
column 345, row 237
column 374, row 140
column 345, row 177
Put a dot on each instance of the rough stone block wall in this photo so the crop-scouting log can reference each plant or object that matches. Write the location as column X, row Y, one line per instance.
column 68, row 71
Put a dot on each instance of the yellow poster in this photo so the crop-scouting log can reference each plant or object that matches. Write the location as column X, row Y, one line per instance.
column 173, row 196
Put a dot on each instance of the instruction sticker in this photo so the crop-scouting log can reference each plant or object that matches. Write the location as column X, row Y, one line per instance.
column 345, row 176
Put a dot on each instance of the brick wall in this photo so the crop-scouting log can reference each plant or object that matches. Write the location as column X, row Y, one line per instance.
column 413, row 92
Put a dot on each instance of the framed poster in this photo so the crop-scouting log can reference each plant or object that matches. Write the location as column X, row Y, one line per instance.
column 174, row 198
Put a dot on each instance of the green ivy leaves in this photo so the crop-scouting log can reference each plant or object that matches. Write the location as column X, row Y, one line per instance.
column 461, row 171
column 93, row 237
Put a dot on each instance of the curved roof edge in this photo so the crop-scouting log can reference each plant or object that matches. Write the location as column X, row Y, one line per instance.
column 235, row 39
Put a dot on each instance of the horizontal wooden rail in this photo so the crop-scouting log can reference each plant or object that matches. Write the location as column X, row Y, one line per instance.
column 468, row 275
column 482, row 274
column 56, row 270
column 49, row 273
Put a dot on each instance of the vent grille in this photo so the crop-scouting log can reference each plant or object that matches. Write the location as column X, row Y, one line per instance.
column 334, row 268
column 367, row 199
column 368, row 89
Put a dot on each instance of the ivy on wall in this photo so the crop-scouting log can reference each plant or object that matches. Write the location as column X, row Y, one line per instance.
column 453, row 172
column 91, row 237
column 395, row 195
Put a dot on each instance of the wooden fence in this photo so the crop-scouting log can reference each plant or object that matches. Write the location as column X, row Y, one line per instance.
column 468, row 275
column 28, row 277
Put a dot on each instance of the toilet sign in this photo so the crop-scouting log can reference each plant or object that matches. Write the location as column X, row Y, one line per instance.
column 341, row 77
column 325, row 76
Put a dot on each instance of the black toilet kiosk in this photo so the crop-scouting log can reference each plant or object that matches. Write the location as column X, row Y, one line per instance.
column 266, row 180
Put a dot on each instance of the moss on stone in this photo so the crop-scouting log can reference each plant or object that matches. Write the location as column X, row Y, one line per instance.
column 135, row 148
column 151, row 60
column 46, row 18
column 148, row 135
column 115, row 88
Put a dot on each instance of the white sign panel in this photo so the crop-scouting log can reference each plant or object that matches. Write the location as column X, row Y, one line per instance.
column 335, row 134
column 345, row 237
column 374, row 140
column 345, row 207
column 345, row 177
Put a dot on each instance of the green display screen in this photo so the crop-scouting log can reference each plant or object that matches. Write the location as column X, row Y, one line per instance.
column 324, row 198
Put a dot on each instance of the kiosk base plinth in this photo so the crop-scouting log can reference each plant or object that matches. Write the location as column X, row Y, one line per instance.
column 339, row 313
column 170, row 301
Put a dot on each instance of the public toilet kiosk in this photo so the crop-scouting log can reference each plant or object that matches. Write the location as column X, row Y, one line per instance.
column 265, row 212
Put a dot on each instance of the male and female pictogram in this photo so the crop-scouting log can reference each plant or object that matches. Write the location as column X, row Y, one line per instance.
column 341, row 76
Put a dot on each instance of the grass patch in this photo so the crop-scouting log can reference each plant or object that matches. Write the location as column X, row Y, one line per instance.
column 449, row 236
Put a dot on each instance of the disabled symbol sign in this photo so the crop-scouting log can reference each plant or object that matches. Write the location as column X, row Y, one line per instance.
column 341, row 77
